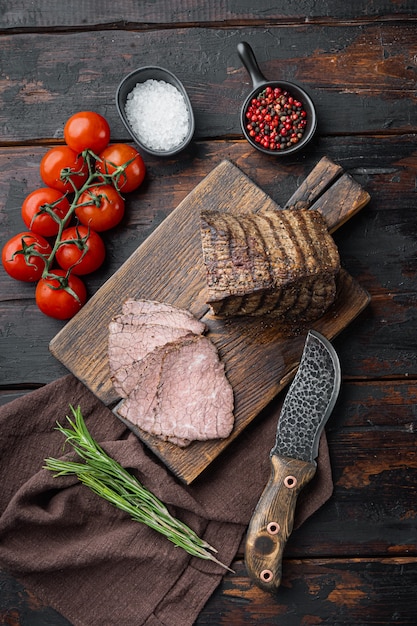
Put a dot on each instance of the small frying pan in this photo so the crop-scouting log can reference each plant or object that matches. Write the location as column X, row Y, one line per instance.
column 259, row 84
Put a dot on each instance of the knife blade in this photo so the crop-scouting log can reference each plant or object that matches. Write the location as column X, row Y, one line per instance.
column 307, row 406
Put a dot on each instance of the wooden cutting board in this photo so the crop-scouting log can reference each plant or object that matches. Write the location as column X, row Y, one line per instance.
column 260, row 355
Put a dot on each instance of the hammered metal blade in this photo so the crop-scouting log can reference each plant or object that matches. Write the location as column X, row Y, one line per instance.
column 309, row 401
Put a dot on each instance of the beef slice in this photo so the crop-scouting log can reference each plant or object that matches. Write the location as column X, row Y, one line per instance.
column 142, row 326
column 182, row 393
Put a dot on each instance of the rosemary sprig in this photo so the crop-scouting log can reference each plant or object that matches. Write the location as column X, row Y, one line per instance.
column 109, row 480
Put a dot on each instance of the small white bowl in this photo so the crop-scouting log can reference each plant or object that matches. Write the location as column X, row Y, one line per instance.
column 141, row 75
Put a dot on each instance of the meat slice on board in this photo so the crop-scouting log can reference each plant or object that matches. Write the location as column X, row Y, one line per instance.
column 153, row 312
column 181, row 393
column 129, row 343
column 142, row 326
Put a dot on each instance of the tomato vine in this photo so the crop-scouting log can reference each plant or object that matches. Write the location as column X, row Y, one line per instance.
column 85, row 186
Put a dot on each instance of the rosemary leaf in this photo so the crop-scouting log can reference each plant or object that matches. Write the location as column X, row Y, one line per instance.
column 109, row 480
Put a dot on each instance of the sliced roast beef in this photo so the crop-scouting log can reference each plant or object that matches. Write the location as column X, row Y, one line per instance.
column 170, row 375
column 142, row 326
column 181, row 393
column 283, row 263
column 132, row 342
column 152, row 312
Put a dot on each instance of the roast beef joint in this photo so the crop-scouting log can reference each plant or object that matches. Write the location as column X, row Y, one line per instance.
column 282, row 263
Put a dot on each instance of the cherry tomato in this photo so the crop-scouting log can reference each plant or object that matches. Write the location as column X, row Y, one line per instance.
column 58, row 162
column 37, row 218
column 87, row 129
column 116, row 155
column 103, row 207
column 54, row 298
column 19, row 256
column 84, row 252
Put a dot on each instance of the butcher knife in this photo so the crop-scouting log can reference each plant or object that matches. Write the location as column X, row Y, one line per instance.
column 306, row 409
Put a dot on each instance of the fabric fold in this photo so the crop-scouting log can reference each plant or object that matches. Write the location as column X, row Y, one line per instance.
column 89, row 560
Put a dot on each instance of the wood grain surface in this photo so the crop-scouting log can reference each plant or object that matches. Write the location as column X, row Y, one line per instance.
column 45, row 80
column 354, row 562
column 260, row 354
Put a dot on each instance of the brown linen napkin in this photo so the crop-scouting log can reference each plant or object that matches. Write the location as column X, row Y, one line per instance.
column 87, row 559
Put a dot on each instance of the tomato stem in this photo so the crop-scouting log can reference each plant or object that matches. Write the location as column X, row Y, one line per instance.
column 94, row 179
column 28, row 250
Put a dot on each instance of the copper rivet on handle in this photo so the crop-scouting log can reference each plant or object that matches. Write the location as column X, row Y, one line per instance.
column 266, row 575
column 290, row 482
column 273, row 528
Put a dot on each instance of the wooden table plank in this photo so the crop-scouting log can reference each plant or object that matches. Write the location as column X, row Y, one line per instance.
column 318, row 57
column 347, row 591
column 83, row 14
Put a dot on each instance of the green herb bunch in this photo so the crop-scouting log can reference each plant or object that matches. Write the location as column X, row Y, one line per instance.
column 109, row 480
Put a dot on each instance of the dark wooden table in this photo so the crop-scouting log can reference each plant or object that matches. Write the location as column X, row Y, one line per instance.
column 355, row 561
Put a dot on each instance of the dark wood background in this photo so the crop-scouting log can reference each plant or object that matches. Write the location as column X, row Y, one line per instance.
column 355, row 561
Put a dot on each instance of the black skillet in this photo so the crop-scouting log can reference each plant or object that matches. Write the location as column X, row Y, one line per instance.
column 259, row 83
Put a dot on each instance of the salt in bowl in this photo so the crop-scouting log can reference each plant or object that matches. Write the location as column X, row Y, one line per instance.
column 140, row 128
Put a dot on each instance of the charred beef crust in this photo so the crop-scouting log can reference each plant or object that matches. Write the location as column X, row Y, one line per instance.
column 283, row 263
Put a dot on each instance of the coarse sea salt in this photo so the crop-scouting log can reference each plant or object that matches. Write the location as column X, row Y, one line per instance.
column 158, row 114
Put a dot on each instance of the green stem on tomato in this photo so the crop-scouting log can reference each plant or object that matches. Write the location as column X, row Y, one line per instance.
column 94, row 179
column 64, row 221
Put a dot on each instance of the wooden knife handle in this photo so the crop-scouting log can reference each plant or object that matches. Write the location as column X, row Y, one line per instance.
column 273, row 520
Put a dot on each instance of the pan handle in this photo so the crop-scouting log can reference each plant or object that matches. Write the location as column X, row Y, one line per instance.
column 248, row 59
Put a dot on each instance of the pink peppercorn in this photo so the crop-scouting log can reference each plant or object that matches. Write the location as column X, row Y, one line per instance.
column 276, row 120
